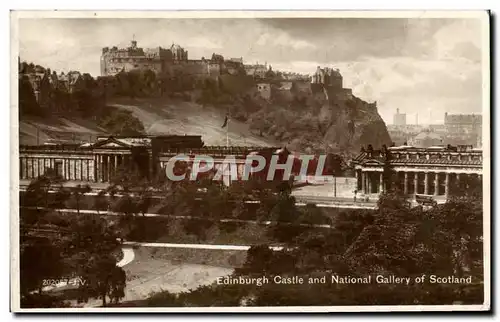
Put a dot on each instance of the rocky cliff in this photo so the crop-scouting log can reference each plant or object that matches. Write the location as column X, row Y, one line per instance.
column 323, row 121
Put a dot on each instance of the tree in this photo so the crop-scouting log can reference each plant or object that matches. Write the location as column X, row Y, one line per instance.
column 39, row 190
column 121, row 122
column 78, row 193
column 101, row 201
column 89, row 252
column 285, row 217
column 27, row 100
column 40, row 259
column 258, row 260
column 84, row 246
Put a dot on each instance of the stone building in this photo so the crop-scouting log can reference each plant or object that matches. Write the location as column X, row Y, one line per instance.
column 43, row 81
column 399, row 118
column 426, row 139
column 100, row 161
column 264, row 89
column 115, row 60
column 463, row 123
column 171, row 61
column 328, row 77
column 283, row 92
column 292, row 76
column 257, row 71
column 464, row 128
column 70, row 82
column 419, row 171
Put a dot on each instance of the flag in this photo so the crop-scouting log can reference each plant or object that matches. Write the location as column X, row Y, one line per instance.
column 225, row 122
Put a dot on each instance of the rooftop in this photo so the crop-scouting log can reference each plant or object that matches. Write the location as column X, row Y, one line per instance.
column 438, row 155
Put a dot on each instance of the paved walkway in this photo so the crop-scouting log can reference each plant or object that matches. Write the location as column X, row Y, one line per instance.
column 128, row 256
column 195, row 246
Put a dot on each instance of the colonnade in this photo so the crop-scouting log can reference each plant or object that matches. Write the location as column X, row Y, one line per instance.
column 107, row 165
column 436, row 183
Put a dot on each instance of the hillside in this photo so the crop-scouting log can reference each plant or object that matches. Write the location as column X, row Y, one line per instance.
column 329, row 128
column 306, row 117
column 57, row 129
column 158, row 117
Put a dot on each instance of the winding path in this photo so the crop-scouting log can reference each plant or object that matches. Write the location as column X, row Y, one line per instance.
column 128, row 256
column 194, row 246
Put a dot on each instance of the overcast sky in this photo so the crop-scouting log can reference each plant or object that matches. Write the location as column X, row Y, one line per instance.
column 428, row 66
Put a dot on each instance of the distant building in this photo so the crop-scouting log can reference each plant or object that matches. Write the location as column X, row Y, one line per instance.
column 399, row 118
column 403, row 133
column 257, row 71
column 463, row 123
column 289, row 76
column 236, row 60
column 328, row 77
column 438, row 128
column 426, row 139
column 115, row 60
column 264, row 90
column 284, row 91
column 171, row 61
column 464, row 128
column 71, row 81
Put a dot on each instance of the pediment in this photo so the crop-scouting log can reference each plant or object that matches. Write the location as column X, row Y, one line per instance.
column 373, row 163
column 110, row 143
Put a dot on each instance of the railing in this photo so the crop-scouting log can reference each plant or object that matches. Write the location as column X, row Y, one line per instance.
column 219, row 150
column 58, row 147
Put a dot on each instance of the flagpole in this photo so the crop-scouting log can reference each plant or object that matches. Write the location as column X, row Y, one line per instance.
column 227, row 133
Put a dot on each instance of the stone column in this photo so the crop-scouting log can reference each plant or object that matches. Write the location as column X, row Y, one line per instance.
column 436, row 183
column 363, row 182
column 100, row 161
column 95, row 167
column 357, row 179
column 415, row 182
column 381, row 183
column 103, row 168
column 116, row 165
column 368, row 183
column 405, row 184
column 446, row 185
column 426, row 184
column 108, row 167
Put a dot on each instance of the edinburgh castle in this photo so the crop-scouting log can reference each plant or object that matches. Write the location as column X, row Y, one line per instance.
column 162, row 60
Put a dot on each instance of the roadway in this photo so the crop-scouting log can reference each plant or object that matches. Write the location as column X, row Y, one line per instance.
column 321, row 198
column 225, row 220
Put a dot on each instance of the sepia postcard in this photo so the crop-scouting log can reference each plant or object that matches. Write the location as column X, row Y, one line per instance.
column 250, row 161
